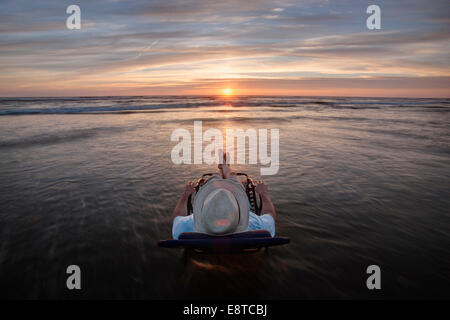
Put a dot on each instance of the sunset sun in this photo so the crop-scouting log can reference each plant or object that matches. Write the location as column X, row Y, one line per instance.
column 227, row 91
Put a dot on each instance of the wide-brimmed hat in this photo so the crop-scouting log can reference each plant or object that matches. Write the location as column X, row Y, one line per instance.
column 221, row 207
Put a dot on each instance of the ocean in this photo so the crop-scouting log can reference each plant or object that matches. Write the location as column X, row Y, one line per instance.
column 89, row 181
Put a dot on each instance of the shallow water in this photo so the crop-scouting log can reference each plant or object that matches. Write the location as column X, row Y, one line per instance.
column 90, row 181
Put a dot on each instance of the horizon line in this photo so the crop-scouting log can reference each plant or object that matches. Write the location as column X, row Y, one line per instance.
column 220, row 95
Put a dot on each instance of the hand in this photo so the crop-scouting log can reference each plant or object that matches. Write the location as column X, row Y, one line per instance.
column 261, row 188
column 188, row 188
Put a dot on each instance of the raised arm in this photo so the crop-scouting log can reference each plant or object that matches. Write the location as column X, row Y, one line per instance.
column 267, row 205
column 181, row 208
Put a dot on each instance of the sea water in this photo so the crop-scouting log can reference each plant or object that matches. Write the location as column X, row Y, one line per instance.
column 90, row 182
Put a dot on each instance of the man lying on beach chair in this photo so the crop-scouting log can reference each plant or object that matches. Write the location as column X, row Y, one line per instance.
column 221, row 207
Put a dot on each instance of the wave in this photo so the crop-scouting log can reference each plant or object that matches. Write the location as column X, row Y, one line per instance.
column 59, row 137
column 78, row 110
column 121, row 105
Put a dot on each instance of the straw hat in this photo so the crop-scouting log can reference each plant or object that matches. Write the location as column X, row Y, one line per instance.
column 221, row 207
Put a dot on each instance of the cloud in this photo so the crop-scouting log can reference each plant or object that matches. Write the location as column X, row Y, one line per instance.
column 173, row 44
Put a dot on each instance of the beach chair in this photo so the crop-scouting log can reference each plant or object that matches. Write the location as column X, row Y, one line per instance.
column 249, row 241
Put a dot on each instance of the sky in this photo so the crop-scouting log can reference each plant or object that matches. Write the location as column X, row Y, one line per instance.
column 253, row 47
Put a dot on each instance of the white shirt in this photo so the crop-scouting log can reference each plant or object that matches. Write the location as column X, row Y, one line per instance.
column 186, row 224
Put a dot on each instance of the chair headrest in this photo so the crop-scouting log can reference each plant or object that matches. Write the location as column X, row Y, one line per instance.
column 240, row 235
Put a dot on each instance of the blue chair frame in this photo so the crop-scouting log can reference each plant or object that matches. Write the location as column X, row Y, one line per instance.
column 250, row 241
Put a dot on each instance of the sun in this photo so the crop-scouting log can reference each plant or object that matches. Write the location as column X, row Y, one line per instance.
column 227, row 91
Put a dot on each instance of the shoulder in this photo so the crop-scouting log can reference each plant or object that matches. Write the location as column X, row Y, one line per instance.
column 265, row 222
column 182, row 224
